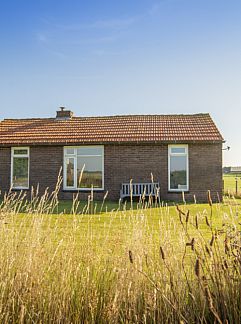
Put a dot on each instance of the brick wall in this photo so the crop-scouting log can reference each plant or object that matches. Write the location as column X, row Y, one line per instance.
column 125, row 162
column 45, row 165
column 205, row 173
column 5, row 168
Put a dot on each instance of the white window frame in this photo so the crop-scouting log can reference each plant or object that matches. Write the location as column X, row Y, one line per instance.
column 74, row 156
column 19, row 156
column 169, row 164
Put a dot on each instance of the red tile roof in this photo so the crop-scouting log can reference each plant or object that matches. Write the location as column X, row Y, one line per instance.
column 110, row 129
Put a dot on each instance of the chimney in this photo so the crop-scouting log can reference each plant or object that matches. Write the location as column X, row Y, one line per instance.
column 63, row 114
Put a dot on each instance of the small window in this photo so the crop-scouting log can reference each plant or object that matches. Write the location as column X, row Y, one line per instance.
column 20, row 168
column 178, row 168
column 20, row 151
column 178, row 150
column 89, row 151
column 70, row 151
column 84, row 168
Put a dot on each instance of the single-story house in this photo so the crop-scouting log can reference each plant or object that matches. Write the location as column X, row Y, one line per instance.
column 179, row 153
column 235, row 170
column 226, row 170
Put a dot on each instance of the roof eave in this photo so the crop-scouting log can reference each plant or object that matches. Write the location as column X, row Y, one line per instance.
column 136, row 142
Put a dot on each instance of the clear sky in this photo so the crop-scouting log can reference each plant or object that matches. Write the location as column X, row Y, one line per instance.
column 100, row 57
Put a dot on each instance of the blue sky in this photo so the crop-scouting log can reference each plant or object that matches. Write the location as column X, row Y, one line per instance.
column 123, row 57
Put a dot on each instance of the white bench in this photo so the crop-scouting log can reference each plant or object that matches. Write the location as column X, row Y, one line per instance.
column 130, row 189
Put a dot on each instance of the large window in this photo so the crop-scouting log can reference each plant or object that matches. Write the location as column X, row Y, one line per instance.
column 20, row 168
column 178, row 168
column 84, row 167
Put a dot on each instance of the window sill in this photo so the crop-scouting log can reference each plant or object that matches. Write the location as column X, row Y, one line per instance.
column 178, row 191
column 19, row 189
column 83, row 190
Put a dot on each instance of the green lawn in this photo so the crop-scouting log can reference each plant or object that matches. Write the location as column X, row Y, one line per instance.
column 116, row 222
column 108, row 236
column 122, row 265
column 230, row 183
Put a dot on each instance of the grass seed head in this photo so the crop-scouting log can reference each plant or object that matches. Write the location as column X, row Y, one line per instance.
column 162, row 253
column 207, row 221
column 194, row 199
column 192, row 243
column 197, row 268
column 130, row 256
column 187, row 216
column 196, row 222
column 210, row 199
column 212, row 240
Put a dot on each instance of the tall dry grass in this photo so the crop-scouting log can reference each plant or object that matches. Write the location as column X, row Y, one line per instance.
column 148, row 265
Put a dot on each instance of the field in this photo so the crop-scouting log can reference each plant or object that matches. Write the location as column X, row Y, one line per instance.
column 230, row 183
column 110, row 263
